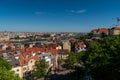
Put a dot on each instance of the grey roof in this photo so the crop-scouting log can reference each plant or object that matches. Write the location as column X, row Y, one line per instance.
column 47, row 54
column 11, row 59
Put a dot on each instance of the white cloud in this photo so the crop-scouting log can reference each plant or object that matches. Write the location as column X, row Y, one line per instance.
column 78, row 11
column 81, row 11
column 37, row 13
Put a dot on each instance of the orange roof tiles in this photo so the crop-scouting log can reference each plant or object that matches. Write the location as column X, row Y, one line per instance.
column 22, row 61
column 94, row 30
column 100, row 30
column 27, row 54
column 104, row 30
column 116, row 28
column 36, row 49
column 35, row 58
column 25, row 60
column 72, row 40
column 53, row 51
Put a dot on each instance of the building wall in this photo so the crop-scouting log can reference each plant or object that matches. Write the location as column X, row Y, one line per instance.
column 116, row 32
column 59, row 47
column 31, row 64
column 6, row 38
column 25, row 68
column 67, row 45
column 18, row 70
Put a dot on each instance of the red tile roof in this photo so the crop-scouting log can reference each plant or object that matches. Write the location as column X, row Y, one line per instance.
column 103, row 30
column 72, row 40
column 80, row 44
column 35, row 58
column 24, row 59
column 116, row 28
column 27, row 54
column 29, row 51
column 36, row 49
column 100, row 30
column 53, row 51
column 94, row 31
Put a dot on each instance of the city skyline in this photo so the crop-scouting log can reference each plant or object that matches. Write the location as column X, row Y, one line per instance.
column 57, row 15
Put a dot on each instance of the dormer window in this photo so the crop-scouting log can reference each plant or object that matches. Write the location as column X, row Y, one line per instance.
column 44, row 57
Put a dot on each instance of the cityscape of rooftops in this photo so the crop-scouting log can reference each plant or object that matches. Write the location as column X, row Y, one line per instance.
column 59, row 40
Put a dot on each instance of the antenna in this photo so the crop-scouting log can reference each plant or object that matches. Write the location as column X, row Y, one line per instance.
column 118, row 20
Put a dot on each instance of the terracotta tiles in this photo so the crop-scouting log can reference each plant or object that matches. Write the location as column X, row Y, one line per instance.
column 116, row 28
column 104, row 30
column 94, row 31
column 27, row 55
column 53, row 51
column 100, row 30
column 30, row 53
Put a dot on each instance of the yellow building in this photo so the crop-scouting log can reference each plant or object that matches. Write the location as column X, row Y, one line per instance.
column 4, row 38
column 67, row 45
column 114, row 30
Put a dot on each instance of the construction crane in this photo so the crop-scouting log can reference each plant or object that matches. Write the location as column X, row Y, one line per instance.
column 118, row 20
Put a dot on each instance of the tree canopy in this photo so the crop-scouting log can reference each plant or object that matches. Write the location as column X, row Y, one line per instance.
column 40, row 70
column 5, row 64
column 72, row 59
column 102, row 58
column 5, row 73
column 8, row 75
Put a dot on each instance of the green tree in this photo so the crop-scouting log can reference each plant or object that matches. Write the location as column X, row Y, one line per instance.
column 8, row 75
column 86, row 36
column 5, row 64
column 72, row 59
column 5, row 73
column 102, row 58
column 60, row 60
column 40, row 69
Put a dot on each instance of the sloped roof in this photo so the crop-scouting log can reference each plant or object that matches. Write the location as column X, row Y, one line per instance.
column 116, row 28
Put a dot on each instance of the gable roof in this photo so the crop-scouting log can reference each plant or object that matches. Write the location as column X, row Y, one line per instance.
column 116, row 28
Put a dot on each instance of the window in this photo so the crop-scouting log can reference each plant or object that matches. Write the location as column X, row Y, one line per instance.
column 17, row 70
column 43, row 57
column 24, row 68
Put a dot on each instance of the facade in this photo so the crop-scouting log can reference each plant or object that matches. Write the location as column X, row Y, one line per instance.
column 80, row 46
column 23, row 61
column 4, row 38
column 114, row 30
column 63, row 54
column 59, row 47
column 100, row 32
column 67, row 45
column 18, row 70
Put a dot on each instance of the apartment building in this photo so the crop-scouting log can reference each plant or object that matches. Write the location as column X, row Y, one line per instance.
column 23, row 61
column 114, row 30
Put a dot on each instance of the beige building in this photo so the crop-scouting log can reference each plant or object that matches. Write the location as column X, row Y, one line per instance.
column 21, row 70
column 4, row 38
column 114, row 30
column 67, row 45
column 23, row 61
column 59, row 47
column 18, row 71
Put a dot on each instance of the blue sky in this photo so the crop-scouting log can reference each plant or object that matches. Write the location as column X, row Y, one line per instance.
column 57, row 15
